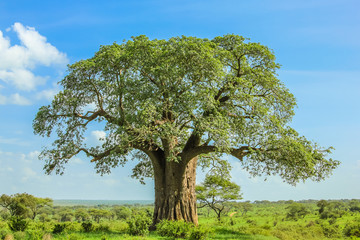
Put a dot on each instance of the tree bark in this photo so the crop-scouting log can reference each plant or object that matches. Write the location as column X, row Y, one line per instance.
column 175, row 197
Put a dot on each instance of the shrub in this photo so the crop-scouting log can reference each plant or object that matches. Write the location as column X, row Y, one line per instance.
column 59, row 228
column 35, row 234
column 17, row 224
column 251, row 222
column 119, row 226
column 331, row 231
column 123, row 212
column 9, row 237
column 47, row 236
column 102, row 227
column 199, row 233
column 3, row 233
column 296, row 211
column 352, row 229
column 174, row 229
column 87, row 226
column 139, row 225
column 74, row 236
column 19, row 235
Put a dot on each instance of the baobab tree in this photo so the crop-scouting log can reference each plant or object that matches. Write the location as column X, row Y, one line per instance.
column 169, row 103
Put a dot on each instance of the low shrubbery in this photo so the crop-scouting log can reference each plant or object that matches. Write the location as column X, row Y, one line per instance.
column 17, row 223
column 139, row 225
column 87, row 226
column 181, row 229
column 352, row 229
column 59, row 228
column 174, row 229
column 266, row 220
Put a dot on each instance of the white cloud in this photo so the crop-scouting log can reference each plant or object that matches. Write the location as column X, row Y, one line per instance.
column 33, row 51
column 47, row 94
column 99, row 135
column 15, row 99
column 37, row 47
column 18, row 100
column 2, row 100
column 22, row 79
column 34, row 155
column 18, row 63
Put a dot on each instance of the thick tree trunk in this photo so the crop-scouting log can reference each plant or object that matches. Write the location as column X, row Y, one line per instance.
column 175, row 197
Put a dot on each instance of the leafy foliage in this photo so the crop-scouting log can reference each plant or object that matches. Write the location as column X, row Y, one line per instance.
column 23, row 205
column 296, row 211
column 139, row 225
column 87, row 226
column 180, row 98
column 17, row 223
column 200, row 233
column 59, row 228
column 174, row 229
column 352, row 229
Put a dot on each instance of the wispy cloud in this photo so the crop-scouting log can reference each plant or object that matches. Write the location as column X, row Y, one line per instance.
column 15, row 99
column 13, row 141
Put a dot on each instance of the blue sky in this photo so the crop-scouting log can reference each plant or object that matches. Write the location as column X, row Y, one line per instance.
column 317, row 43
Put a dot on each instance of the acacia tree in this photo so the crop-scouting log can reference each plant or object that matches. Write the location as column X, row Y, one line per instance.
column 23, row 204
column 217, row 190
column 170, row 102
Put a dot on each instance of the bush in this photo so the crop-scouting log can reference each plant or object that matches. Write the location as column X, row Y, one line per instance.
column 139, row 225
column 102, row 227
column 3, row 233
column 331, row 231
column 17, row 224
column 199, row 233
column 352, row 229
column 174, row 229
column 119, row 226
column 74, row 236
column 87, row 226
column 296, row 211
column 35, row 234
column 123, row 213
column 251, row 222
column 59, row 228
column 19, row 235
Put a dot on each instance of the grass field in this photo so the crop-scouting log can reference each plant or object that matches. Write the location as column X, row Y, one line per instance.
column 254, row 221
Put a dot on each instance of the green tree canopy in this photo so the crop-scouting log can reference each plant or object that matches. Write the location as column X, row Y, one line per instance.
column 23, row 204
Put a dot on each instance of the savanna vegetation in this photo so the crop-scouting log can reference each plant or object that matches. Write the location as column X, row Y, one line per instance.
column 285, row 220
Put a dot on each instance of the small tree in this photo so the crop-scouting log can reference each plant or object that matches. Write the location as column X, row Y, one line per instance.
column 244, row 207
column 98, row 214
column 66, row 215
column 296, row 211
column 217, row 189
column 81, row 215
column 122, row 212
column 322, row 204
column 23, row 204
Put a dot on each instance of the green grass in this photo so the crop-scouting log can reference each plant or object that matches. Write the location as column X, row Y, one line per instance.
column 263, row 222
